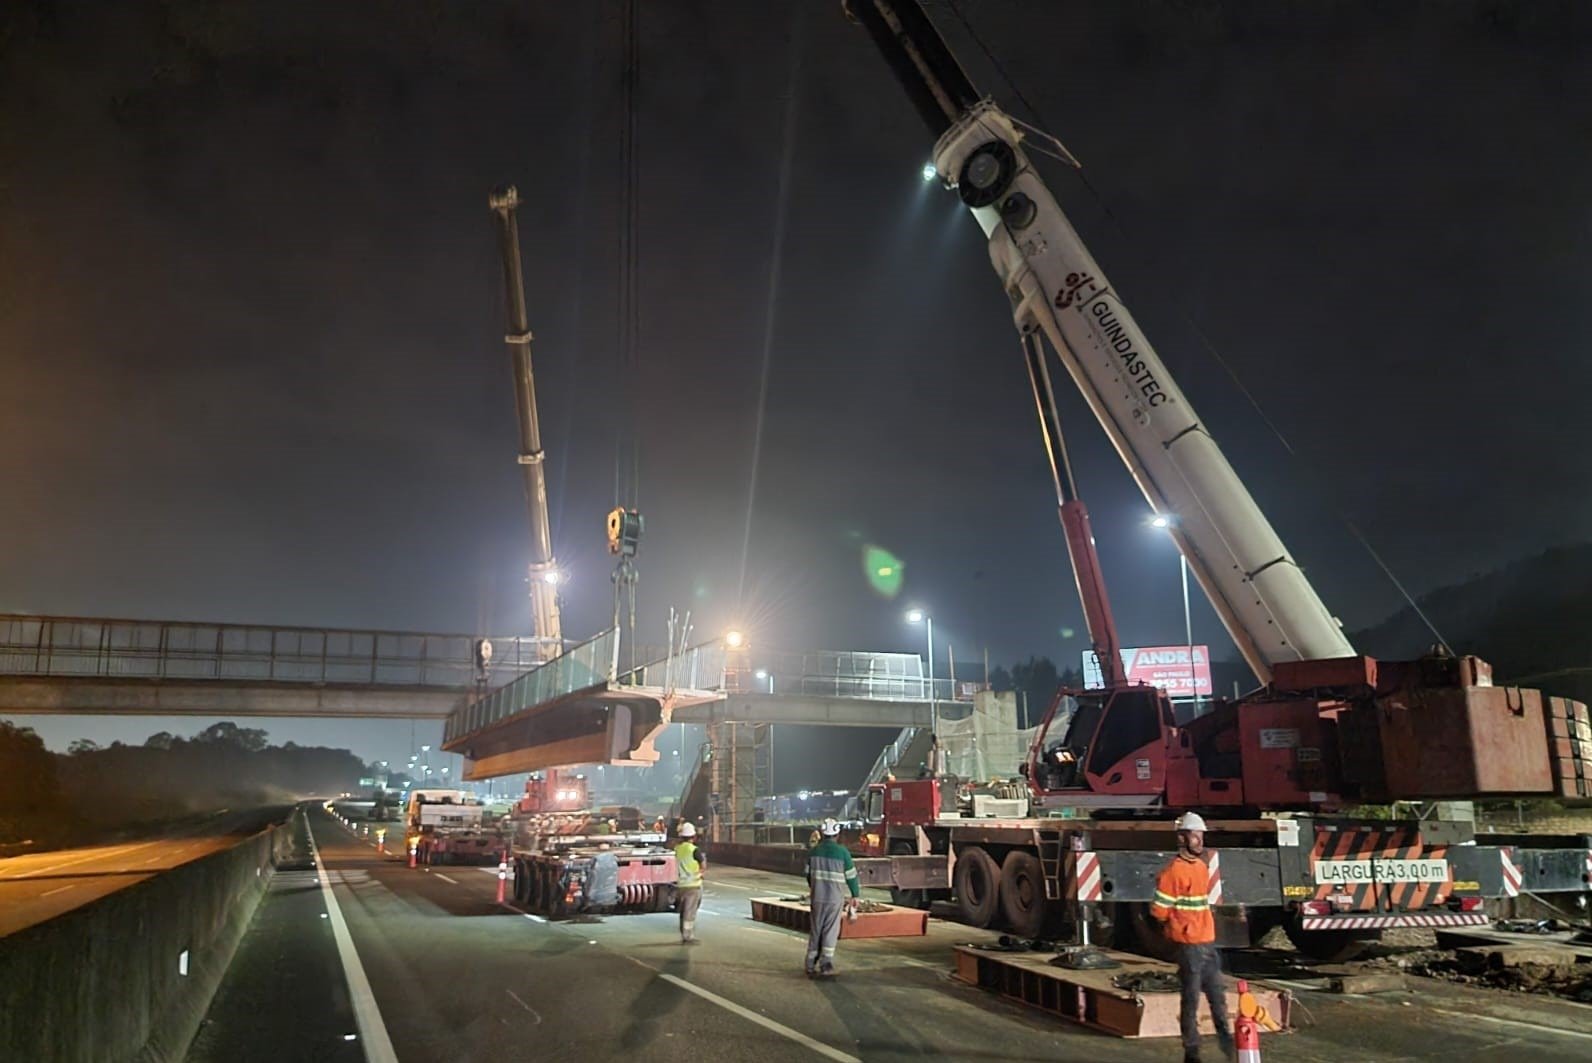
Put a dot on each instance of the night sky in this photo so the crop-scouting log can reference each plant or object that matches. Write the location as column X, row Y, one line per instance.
column 250, row 322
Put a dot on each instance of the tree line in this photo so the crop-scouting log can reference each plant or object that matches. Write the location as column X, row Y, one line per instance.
column 51, row 797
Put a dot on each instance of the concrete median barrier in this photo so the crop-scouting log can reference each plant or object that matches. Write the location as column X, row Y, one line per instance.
column 128, row 977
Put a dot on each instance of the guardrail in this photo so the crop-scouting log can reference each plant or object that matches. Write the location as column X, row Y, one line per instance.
column 182, row 650
column 594, row 662
column 837, row 673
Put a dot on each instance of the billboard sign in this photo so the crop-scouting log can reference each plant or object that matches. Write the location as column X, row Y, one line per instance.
column 1166, row 667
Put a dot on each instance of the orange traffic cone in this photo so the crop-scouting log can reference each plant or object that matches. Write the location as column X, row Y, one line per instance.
column 1247, row 1026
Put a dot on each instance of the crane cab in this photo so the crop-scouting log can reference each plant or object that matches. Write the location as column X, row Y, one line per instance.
column 1102, row 748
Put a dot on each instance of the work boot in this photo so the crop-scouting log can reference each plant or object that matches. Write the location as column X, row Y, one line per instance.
column 1191, row 1055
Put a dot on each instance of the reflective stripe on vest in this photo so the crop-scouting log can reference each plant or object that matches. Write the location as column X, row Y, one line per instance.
column 688, row 870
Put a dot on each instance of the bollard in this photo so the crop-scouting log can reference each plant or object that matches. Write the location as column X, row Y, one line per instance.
column 503, row 876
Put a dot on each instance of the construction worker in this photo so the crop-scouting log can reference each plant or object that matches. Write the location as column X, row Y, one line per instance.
column 1183, row 906
column 689, row 862
column 833, row 889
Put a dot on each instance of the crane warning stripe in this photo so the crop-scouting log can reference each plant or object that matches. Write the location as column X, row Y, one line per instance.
column 1086, row 876
column 1213, row 869
column 1512, row 875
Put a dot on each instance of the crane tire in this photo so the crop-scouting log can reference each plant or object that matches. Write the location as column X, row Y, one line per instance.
column 1023, row 904
column 977, row 883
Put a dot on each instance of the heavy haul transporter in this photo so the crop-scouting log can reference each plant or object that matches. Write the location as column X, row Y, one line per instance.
column 1276, row 772
column 567, row 859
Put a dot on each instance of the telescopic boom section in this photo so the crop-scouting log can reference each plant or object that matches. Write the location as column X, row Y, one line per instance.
column 1055, row 286
column 544, row 575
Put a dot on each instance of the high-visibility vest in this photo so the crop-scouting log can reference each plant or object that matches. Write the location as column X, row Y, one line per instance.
column 688, row 869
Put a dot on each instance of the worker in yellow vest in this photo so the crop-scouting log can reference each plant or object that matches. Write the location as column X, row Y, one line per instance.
column 689, row 862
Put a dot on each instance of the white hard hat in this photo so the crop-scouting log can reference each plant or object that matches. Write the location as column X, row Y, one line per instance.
column 1190, row 821
column 829, row 828
column 687, row 829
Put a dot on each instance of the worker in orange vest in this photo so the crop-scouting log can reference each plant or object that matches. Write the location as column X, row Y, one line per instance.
column 1183, row 906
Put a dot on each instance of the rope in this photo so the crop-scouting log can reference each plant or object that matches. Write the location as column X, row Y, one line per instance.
column 1205, row 342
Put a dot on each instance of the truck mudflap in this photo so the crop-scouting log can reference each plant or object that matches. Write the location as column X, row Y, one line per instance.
column 1393, row 920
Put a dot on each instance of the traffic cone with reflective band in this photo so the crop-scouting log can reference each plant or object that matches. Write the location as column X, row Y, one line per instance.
column 1247, row 1026
column 503, row 876
column 412, row 855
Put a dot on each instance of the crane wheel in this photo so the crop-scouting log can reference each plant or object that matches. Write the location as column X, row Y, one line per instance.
column 1022, row 893
column 1329, row 946
column 977, row 887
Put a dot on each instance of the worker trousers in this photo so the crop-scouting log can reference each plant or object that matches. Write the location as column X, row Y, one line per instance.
column 688, row 899
column 1199, row 970
column 822, row 937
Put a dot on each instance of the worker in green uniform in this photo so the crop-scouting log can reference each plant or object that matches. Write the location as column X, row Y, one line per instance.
column 689, row 862
column 833, row 888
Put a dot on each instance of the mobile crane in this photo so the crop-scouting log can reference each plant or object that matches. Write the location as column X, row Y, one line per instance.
column 1328, row 729
column 558, row 861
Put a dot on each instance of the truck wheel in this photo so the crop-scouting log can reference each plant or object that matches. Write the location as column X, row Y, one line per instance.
column 557, row 907
column 521, row 887
column 899, row 896
column 1329, row 946
column 977, row 887
column 533, row 887
column 1023, row 894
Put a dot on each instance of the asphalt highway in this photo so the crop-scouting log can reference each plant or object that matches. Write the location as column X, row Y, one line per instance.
column 428, row 967
column 41, row 886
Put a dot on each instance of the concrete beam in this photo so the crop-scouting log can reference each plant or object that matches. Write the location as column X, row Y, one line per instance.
column 808, row 709
column 85, row 695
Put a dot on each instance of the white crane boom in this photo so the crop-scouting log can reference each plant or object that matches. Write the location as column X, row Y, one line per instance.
column 1056, row 288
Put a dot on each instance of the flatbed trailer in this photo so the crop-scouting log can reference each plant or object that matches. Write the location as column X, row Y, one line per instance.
column 1332, row 882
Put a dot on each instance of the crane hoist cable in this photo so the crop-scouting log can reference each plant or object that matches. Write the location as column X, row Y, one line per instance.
column 1323, row 487
column 625, row 522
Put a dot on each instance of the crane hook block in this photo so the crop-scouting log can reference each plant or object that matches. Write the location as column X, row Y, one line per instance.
column 624, row 532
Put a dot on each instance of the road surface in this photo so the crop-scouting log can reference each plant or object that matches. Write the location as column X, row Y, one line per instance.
column 442, row 973
column 41, row 886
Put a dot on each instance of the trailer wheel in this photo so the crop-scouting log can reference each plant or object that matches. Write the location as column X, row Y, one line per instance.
column 535, row 893
column 1329, row 946
column 1023, row 894
column 557, row 906
column 522, row 888
column 977, row 887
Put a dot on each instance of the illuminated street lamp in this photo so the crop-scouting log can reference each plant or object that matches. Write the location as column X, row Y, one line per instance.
column 929, row 172
column 1166, row 523
column 734, row 639
column 918, row 616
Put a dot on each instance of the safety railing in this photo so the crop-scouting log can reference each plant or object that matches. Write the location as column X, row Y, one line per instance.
column 699, row 667
column 182, row 650
column 836, row 673
column 593, row 663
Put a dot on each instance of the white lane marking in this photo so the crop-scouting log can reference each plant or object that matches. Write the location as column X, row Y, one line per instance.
column 1538, row 1027
column 748, row 889
column 445, row 878
column 762, row 1020
column 58, row 889
column 534, row 1013
column 373, row 1036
